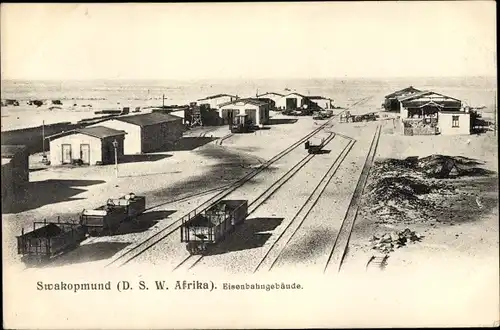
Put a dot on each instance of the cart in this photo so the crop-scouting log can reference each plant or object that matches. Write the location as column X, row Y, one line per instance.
column 48, row 240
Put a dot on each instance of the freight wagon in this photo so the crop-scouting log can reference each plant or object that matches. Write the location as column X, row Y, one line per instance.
column 47, row 240
column 202, row 230
column 107, row 218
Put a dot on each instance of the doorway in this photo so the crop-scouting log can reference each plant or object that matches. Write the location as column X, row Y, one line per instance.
column 85, row 153
column 66, row 154
column 291, row 104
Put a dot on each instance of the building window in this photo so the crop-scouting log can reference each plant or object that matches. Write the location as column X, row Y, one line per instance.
column 455, row 121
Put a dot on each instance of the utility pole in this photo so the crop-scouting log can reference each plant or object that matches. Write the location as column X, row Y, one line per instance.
column 44, row 156
column 163, row 101
column 115, row 145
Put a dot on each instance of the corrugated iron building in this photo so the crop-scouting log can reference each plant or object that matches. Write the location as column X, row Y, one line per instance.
column 148, row 132
column 87, row 146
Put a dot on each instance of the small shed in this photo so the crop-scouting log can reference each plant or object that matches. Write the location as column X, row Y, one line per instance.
column 15, row 169
column 257, row 110
column 88, row 146
column 148, row 132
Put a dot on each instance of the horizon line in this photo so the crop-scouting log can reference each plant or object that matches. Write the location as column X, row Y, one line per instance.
column 254, row 78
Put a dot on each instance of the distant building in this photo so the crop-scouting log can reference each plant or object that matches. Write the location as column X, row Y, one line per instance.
column 296, row 101
column 257, row 110
column 88, row 146
column 275, row 97
column 428, row 113
column 324, row 103
column 15, row 170
column 215, row 101
column 148, row 132
column 391, row 101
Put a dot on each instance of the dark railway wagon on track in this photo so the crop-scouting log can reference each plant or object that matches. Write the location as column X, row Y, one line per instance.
column 107, row 218
column 202, row 230
column 48, row 240
column 314, row 148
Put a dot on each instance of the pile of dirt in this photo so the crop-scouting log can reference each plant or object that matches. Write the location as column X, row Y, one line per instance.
column 404, row 190
column 395, row 240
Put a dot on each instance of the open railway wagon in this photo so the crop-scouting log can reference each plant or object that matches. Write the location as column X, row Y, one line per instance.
column 202, row 230
column 48, row 240
column 314, row 148
column 107, row 218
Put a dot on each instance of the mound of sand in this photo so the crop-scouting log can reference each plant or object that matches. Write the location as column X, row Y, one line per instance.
column 399, row 189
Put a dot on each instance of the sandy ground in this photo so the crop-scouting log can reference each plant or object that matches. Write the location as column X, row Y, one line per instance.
column 65, row 191
column 465, row 236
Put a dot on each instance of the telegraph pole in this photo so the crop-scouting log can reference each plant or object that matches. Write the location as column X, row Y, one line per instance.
column 115, row 145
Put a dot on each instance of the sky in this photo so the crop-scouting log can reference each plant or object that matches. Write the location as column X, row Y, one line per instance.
column 248, row 40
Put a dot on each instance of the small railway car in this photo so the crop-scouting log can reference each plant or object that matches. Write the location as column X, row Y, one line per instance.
column 201, row 230
column 47, row 240
column 314, row 148
column 107, row 218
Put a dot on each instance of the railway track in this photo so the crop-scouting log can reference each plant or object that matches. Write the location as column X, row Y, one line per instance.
column 191, row 261
column 145, row 245
column 337, row 254
column 278, row 246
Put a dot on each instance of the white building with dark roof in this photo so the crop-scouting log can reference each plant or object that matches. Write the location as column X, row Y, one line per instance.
column 88, row 146
column 257, row 110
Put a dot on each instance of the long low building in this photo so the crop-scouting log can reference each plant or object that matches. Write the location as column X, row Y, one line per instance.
column 15, row 170
column 257, row 110
column 87, row 146
column 429, row 113
column 148, row 132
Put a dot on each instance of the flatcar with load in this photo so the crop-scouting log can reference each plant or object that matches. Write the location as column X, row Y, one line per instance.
column 107, row 218
column 48, row 240
column 202, row 230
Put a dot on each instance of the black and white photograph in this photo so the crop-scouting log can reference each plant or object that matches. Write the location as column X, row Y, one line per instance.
column 249, row 165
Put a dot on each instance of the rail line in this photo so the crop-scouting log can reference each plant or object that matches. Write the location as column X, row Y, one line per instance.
column 143, row 246
column 278, row 246
column 165, row 232
column 341, row 243
column 191, row 261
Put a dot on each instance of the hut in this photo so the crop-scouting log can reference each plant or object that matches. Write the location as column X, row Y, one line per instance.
column 95, row 145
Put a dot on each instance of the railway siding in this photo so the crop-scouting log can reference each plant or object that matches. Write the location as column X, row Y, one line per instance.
column 244, row 249
column 309, row 248
column 334, row 262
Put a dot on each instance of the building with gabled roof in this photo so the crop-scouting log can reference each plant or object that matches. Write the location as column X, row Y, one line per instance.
column 86, row 146
column 257, row 110
column 148, row 132
column 391, row 101
column 429, row 112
